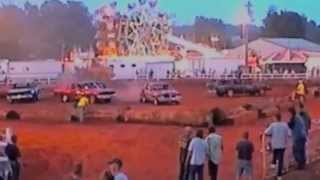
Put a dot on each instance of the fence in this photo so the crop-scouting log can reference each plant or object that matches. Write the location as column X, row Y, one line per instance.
column 41, row 78
column 256, row 76
column 313, row 153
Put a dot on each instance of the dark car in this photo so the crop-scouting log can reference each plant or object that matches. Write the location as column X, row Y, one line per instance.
column 235, row 86
column 23, row 92
column 160, row 92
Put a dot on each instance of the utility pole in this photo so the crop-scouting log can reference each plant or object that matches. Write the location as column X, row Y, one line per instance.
column 246, row 30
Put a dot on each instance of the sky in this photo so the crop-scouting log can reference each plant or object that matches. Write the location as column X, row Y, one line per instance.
column 230, row 11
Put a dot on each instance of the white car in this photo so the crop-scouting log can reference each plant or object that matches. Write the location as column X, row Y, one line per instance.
column 20, row 92
column 160, row 92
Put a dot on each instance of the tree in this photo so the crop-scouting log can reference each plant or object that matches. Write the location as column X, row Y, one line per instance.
column 11, row 23
column 284, row 24
column 41, row 32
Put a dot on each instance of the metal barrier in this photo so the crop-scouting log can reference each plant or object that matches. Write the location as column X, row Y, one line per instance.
column 41, row 78
column 255, row 76
column 312, row 150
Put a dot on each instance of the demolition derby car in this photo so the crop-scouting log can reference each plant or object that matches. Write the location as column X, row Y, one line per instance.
column 23, row 92
column 160, row 92
column 236, row 86
column 95, row 90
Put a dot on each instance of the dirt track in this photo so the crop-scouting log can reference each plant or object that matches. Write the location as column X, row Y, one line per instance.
column 50, row 145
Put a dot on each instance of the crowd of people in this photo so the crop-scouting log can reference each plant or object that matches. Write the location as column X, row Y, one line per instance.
column 195, row 150
column 280, row 132
column 11, row 157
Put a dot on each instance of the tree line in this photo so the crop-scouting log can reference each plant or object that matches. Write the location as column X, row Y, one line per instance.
column 47, row 30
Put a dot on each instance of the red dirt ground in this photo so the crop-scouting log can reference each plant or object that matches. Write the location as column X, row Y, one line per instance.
column 51, row 146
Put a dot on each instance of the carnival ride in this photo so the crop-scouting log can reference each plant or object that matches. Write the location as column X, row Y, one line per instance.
column 142, row 30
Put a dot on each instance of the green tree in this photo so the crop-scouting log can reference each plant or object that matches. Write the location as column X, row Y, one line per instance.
column 41, row 32
column 284, row 24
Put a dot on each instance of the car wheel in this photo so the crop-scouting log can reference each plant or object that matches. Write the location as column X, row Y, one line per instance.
column 219, row 94
column 107, row 101
column 155, row 102
column 64, row 98
column 35, row 98
column 230, row 93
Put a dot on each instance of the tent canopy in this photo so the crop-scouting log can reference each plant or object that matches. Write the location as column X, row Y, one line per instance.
column 287, row 56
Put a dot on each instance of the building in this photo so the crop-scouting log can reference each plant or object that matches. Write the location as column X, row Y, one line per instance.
column 265, row 47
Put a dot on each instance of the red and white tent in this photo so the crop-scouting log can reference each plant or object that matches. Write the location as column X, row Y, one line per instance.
column 287, row 56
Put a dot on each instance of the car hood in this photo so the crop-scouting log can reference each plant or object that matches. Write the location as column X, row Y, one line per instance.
column 170, row 91
column 19, row 90
column 104, row 90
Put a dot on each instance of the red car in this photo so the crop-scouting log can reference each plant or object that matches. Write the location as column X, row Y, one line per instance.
column 94, row 90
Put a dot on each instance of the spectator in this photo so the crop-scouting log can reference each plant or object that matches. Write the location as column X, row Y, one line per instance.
column 168, row 74
column 106, row 175
column 82, row 105
column 279, row 133
column 300, row 91
column 215, row 148
column 137, row 74
column 245, row 150
column 151, row 74
column 197, row 156
column 299, row 135
column 13, row 153
column 115, row 168
column 184, row 144
column 305, row 117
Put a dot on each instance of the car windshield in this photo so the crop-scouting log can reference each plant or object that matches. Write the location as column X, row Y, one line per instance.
column 21, row 86
column 160, row 87
column 101, row 85
column 89, row 85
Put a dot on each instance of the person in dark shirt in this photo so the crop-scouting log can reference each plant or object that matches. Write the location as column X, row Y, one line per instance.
column 299, row 135
column 13, row 153
column 244, row 150
column 184, row 142
column 306, row 117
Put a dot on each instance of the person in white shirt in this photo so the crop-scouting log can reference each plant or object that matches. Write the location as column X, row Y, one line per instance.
column 279, row 132
column 197, row 156
column 215, row 148
column 115, row 169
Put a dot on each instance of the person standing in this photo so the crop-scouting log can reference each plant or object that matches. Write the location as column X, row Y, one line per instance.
column 82, row 105
column 184, row 142
column 115, row 166
column 245, row 149
column 300, row 91
column 279, row 133
column 197, row 156
column 12, row 151
column 307, row 122
column 215, row 148
column 299, row 135
column 305, row 117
